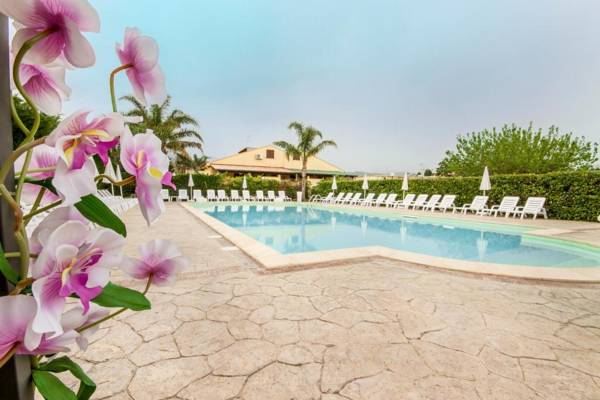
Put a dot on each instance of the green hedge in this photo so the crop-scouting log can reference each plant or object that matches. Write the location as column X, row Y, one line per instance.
column 569, row 195
column 220, row 181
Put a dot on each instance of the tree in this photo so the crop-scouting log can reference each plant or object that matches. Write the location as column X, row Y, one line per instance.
column 428, row 172
column 47, row 122
column 194, row 163
column 175, row 129
column 305, row 148
column 514, row 150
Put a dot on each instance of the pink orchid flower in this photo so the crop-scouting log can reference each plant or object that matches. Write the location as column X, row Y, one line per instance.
column 142, row 157
column 74, row 260
column 45, row 85
column 57, row 217
column 75, row 138
column 65, row 19
column 160, row 259
column 15, row 328
column 43, row 156
column 77, row 318
column 73, row 184
column 144, row 73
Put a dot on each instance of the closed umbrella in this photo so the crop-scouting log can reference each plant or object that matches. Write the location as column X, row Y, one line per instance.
column 334, row 185
column 119, row 178
column 244, row 183
column 404, row 184
column 365, row 185
column 485, row 181
column 190, row 183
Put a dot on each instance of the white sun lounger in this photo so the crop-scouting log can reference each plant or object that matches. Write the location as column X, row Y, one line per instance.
column 534, row 206
column 446, row 203
column 355, row 199
column 478, row 206
column 432, row 202
column 271, row 195
column 367, row 200
column 197, row 195
column 345, row 199
column 506, row 206
column 235, row 195
column 260, row 196
column 281, row 194
column 378, row 201
column 246, row 195
column 164, row 194
column 406, row 202
column 211, row 195
column 419, row 201
column 182, row 195
column 336, row 199
column 318, row 197
column 391, row 199
column 221, row 195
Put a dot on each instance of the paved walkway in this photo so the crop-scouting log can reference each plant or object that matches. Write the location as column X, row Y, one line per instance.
column 369, row 330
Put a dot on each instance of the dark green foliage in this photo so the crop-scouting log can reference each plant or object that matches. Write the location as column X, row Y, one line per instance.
column 119, row 296
column 98, row 212
column 428, row 172
column 569, row 195
column 47, row 122
column 516, row 150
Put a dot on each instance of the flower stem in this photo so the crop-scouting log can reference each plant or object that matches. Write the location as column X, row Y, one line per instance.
column 109, row 316
column 111, row 81
column 15, row 154
column 41, row 210
column 9, row 354
column 124, row 182
column 30, row 133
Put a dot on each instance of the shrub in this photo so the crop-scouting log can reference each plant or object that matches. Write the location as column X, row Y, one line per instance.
column 569, row 195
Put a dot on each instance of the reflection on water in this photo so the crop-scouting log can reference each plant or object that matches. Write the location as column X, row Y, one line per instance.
column 295, row 229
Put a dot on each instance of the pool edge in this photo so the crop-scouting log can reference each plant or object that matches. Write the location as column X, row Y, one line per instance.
column 272, row 261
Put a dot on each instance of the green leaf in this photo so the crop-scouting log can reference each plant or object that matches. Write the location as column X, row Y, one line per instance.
column 96, row 211
column 118, row 296
column 87, row 387
column 51, row 387
column 9, row 273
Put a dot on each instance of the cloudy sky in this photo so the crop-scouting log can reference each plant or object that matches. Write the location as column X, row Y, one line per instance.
column 393, row 82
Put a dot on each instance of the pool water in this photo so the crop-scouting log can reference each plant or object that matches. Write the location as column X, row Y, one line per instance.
column 292, row 229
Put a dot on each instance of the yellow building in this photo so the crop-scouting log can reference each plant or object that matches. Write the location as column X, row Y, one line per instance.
column 271, row 162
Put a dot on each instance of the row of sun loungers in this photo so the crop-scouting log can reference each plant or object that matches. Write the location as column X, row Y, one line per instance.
column 221, row 195
column 534, row 206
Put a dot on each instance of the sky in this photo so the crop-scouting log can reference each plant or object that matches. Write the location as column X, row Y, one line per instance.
column 392, row 82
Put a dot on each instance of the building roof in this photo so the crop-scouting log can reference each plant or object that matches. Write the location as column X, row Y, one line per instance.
column 254, row 159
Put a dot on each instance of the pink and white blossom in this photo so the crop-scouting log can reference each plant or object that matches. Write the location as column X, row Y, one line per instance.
column 45, row 85
column 15, row 329
column 142, row 157
column 57, row 217
column 43, row 156
column 77, row 317
column 145, row 75
column 73, row 184
column 75, row 138
column 64, row 19
column 160, row 259
column 74, row 260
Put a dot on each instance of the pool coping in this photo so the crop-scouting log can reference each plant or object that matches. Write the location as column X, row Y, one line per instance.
column 271, row 260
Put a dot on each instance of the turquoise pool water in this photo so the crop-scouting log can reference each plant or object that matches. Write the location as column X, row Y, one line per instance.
column 291, row 229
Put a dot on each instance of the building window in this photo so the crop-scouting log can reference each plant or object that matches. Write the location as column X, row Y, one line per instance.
column 270, row 153
column 296, row 157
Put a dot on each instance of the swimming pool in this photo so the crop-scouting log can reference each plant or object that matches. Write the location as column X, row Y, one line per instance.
column 291, row 229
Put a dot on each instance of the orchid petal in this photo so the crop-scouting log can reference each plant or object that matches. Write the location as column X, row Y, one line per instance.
column 78, row 50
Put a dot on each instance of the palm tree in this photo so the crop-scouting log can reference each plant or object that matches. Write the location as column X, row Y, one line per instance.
column 175, row 129
column 306, row 147
column 194, row 163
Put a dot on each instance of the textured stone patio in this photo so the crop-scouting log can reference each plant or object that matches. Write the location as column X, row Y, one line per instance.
column 370, row 330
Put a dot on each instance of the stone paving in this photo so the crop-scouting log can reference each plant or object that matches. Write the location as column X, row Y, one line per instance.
column 369, row 330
